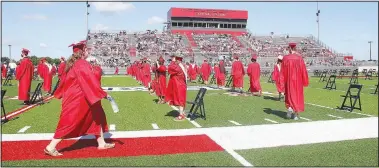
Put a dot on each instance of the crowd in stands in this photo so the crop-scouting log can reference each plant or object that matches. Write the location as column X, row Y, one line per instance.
column 113, row 49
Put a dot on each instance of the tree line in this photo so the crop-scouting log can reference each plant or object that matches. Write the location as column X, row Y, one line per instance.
column 34, row 59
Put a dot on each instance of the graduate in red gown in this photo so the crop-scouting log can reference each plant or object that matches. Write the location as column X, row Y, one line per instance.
column 169, row 88
column 178, row 78
column 276, row 76
column 238, row 72
column 47, row 76
column 24, row 76
column 116, row 71
column 40, row 67
column 221, row 77
column 192, row 71
column 160, row 85
column 146, row 78
column 295, row 78
column 216, row 70
column 254, row 73
column 3, row 71
column 61, row 68
column 81, row 95
column 206, row 70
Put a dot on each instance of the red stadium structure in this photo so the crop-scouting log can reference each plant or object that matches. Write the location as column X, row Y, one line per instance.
column 207, row 21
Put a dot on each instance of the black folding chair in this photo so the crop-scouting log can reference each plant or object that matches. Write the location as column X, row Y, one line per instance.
column 200, row 79
column 376, row 89
column 196, row 104
column 2, row 106
column 323, row 76
column 354, row 77
column 331, row 84
column 353, row 98
column 55, row 87
column 229, row 81
column 368, row 75
column 37, row 94
column 213, row 79
column 270, row 78
column 7, row 81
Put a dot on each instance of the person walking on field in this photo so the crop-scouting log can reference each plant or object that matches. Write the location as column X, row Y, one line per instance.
column 81, row 95
column 276, row 76
column 295, row 78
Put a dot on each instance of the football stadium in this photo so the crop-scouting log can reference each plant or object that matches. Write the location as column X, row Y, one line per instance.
column 204, row 91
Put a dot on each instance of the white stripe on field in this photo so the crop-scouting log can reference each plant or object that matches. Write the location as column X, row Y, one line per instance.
column 335, row 116
column 193, row 122
column 238, row 157
column 155, row 126
column 271, row 121
column 235, row 123
column 22, row 130
column 305, row 119
column 112, row 127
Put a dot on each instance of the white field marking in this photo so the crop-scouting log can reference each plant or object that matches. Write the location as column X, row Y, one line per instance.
column 155, row 126
column 328, row 107
column 305, row 119
column 112, row 127
column 335, row 116
column 197, row 125
column 239, row 137
column 238, row 157
column 13, row 98
column 235, row 123
column 22, row 130
column 24, row 109
column 271, row 121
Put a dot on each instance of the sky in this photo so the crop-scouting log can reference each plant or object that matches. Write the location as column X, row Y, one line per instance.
column 48, row 28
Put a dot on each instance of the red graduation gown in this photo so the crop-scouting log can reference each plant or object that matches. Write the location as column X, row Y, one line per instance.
column 81, row 95
column 160, row 87
column 179, row 86
column 47, row 78
column 116, row 72
column 254, row 72
column 216, row 70
column 295, row 77
column 192, row 68
column 146, row 79
column 61, row 68
column 170, row 87
column 24, row 75
column 3, row 71
column 205, row 71
column 221, row 77
column 276, row 77
column 238, row 72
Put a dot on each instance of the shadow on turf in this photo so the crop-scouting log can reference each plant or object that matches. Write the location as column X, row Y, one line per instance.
column 281, row 114
column 83, row 143
column 270, row 98
column 173, row 113
column 5, row 121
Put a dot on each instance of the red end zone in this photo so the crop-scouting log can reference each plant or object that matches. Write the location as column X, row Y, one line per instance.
column 72, row 149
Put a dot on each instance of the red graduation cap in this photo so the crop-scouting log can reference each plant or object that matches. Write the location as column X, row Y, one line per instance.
column 292, row 45
column 254, row 57
column 160, row 59
column 62, row 58
column 78, row 46
column 235, row 56
column 25, row 51
column 205, row 60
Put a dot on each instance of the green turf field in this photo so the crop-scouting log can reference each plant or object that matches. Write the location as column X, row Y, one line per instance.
column 138, row 111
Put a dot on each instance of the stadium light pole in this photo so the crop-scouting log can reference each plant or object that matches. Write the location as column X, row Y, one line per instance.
column 370, row 49
column 10, row 52
column 87, row 13
column 318, row 27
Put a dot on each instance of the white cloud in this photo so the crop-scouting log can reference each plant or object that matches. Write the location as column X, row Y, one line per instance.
column 100, row 27
column 155, row 20
column 35, row 17
column 113, row 6
column 43, row 45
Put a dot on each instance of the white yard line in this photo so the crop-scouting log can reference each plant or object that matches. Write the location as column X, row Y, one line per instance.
column 197, row 125
column 22, row 130
column 271, row 121
column 252, row 137
column 238, row 157
column 305, row 118
column 235, row 123
column 112, row 127
column 155, row 126
column 335, row 116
